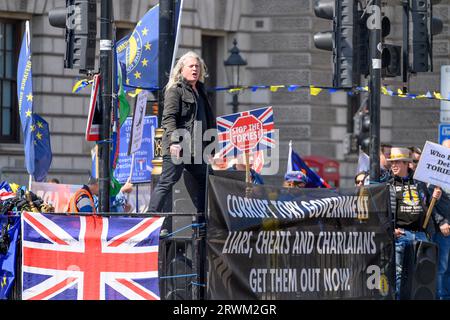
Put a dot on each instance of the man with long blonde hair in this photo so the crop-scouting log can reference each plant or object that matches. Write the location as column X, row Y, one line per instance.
column 187, row 115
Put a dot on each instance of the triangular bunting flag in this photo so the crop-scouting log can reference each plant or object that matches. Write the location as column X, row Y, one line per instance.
column 314, row 91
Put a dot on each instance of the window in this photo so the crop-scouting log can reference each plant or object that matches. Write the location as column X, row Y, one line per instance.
column 9, row 52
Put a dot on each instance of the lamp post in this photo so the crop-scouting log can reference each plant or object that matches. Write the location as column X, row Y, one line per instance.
column 232, row 66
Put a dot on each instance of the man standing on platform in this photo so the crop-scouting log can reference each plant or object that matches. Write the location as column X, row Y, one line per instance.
column 186, row 107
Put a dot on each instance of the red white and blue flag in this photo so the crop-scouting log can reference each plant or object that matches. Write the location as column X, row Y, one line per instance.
column 247, row 131
column 89, row 257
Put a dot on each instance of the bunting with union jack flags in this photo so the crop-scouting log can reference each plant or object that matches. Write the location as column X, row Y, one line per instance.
column 247, row 131
column 89, row 257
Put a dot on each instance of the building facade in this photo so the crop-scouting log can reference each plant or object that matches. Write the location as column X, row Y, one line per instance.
column 275, row 37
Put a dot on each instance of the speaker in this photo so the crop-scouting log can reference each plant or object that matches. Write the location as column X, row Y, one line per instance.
column 178, row 269
column 184, row 194
column 420, row 268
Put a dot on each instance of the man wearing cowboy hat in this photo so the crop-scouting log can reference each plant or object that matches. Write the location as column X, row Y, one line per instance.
column 409, row 202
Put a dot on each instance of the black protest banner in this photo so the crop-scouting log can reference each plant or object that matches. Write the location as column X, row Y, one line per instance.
column 278, row 243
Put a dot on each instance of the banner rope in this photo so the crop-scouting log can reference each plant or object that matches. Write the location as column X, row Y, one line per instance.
column 193, row 225
column 198, row 284
column 313, row 90
column 180, row 276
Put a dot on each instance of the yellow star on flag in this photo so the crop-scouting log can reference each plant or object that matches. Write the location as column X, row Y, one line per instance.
column 128, row 81
column 30, row 97
column 28, row 113
column 145, row 31
column 39, row 135
column 137, row 75
column 144, row 62
column 139, row 23
column 39, row 124
column 32, row 128
column 148, row 46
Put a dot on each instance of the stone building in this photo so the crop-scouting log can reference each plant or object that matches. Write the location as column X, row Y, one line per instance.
column 275, row 38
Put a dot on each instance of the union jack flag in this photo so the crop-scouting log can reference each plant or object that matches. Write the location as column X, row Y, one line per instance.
column 260, row 140
column 89, row 257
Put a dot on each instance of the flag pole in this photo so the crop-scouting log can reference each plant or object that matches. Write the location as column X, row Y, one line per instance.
column 106, row 60
column 131, row 173
column 132, row 167
column 29, row 181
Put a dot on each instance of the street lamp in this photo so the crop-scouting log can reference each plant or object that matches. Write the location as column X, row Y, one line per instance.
column 232, row 65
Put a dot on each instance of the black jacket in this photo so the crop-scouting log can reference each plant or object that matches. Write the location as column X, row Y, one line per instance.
column 180, row 109
column 424, row 198
column 441, row 212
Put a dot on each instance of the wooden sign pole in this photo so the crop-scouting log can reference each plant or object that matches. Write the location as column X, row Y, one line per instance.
column 430, row 209
column 247, row 167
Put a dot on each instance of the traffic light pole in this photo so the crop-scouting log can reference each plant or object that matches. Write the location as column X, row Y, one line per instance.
column 166, row 44
column 106, row 95
column 375, row 47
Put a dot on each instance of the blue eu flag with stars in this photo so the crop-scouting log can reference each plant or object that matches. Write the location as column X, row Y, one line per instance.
column 141, row 53
column 137, row 53
column 36, row 136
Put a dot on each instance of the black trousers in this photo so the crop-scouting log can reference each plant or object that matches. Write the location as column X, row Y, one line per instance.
column 170, row 175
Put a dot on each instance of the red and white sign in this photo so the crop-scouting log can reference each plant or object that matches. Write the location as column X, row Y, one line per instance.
column 58, row 195
column 94, row 117
column 246, row 133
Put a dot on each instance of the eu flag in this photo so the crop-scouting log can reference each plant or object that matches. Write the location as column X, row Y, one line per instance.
column 138, row 53
column 296, row 163
column 40, row 142
column 141, row 55
column 9, row 234
column 35, row 130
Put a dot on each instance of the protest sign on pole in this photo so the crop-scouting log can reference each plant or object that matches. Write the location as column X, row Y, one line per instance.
column 433, row 168
column 142, row 162
column 137, row 127
column 94, row 116
column 434, row 165
column 245, row 132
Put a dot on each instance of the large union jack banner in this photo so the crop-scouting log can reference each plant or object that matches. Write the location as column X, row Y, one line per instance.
column 247, row 131
column 89, row 257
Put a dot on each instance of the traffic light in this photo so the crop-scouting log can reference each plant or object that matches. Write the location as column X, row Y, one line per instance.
column 341, row 39
column 424, row 27
column 361, row 122
column 391, row 58
column 391, row 55
column 79, row 19
column 364, row 137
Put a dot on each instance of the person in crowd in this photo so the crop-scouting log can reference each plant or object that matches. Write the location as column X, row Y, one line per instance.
column 441, row 237
column 409, row 201
column 361, row 178
column 416, row 152
column 83, row 199
column 295, row 179
column 119, row 203
column 186, row 106
column 385, row 149
column 53, row 180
